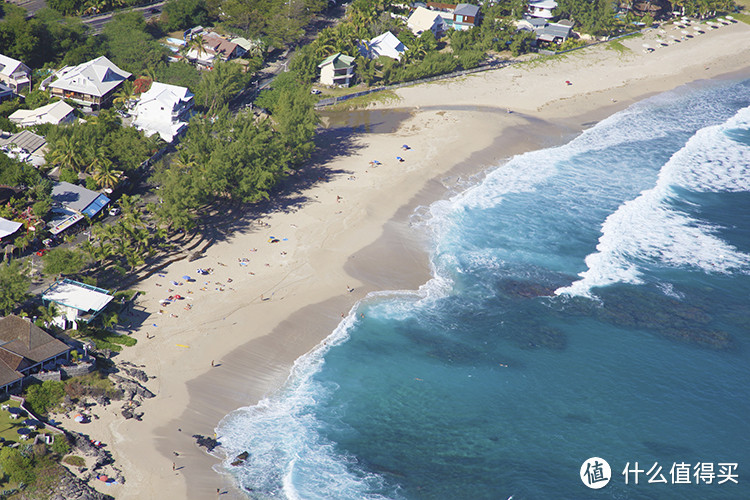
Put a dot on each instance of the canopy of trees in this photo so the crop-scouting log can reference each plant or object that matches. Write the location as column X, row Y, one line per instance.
column 14, row 285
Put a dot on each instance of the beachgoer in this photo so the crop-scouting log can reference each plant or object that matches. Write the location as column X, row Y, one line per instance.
column 212, row 362
column 174, row 466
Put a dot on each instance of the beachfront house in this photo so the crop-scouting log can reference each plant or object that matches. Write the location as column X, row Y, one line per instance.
column 542, row 8
column 91, row 84
column 465, row 16
column 385, row 45
column 26, row 349
column 165, row 110
column 71, row 203
column 76, row 302
column 15, row 74
column 337, row 69
column 24, row 146
column 423, row 19
column 57, row 113
column 546, row 31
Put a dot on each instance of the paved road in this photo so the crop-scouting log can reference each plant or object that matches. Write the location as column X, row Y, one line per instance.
column 96, row 23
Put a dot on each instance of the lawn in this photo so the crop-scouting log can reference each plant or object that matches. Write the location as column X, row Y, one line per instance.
column 10, row 426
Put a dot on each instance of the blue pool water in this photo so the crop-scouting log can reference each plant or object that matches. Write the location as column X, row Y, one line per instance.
column 589, row 300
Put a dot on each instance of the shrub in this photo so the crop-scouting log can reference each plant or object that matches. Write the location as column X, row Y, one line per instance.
column 60, row 445
column 74, row 460
column 45, row 396
column 19, row 467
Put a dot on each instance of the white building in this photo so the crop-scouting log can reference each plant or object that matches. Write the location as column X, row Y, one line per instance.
column 542, row 8
column 165, row 110
column 75, row 301
column 14, row 74
column 385, row 45
column 55, row 113
column 422, row 20
column 91, row 84
column 337, row 69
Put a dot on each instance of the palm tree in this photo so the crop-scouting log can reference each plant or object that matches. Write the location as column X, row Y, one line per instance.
column 124, row 95
column 48, row 314
column 197, row 43
column 184, row 160
column 105, row 175
column 66, row 152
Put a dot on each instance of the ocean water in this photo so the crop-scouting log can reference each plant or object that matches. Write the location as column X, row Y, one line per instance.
column 588, row 300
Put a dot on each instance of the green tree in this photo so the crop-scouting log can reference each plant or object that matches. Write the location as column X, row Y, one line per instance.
column 18, row 466
column 66, row 153
column 63, row 261
column 183, row 14
column 130, row 46
column 219, row 85
column 14, row 285
column 45, row 396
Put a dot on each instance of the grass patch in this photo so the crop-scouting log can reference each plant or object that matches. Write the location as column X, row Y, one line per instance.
column 103, row 339
column 74, row 460
column 384, row 96
column 745, row 18
column 618, row 47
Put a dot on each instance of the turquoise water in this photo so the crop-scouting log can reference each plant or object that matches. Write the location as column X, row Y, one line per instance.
column 589, row 300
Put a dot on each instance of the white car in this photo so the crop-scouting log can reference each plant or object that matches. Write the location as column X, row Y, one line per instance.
column 315, row 91
column 114, row 211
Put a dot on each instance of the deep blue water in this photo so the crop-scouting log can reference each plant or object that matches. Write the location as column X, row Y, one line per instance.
column 588, row 300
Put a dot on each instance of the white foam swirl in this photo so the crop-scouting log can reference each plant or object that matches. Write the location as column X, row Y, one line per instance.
column 649, row 228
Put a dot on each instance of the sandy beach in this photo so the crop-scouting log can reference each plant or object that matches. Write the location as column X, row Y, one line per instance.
column 281, row 284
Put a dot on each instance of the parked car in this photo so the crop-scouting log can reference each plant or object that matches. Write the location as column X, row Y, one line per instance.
column 114, row 211
column 315, row 91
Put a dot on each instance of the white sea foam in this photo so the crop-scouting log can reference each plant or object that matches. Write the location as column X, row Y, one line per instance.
column 649, row 229
column 288, row 456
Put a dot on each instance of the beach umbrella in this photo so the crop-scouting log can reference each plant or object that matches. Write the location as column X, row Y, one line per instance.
column 78, row 418
column 187, row 278
column 103, row 478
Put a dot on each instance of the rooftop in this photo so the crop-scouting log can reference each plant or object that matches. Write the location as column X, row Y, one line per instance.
column 77, row 295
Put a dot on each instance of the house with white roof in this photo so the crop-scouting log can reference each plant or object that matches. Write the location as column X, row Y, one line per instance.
column 8, row 228
column 75, row 301
column 165, row 110
column 337, row 69
column 91, row 84
column 423, row 19
column 385, row 45
column 542, row 8
column 14, row 74
column 57, row 113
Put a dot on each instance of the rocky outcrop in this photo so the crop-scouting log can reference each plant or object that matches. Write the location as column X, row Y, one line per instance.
column 66, row 487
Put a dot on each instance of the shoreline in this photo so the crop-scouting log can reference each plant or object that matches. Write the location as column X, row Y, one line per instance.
column 298, row 302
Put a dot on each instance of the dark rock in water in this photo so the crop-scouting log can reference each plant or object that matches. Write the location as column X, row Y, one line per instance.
column 240, row 459
column 206, row 442
column 706, row 338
